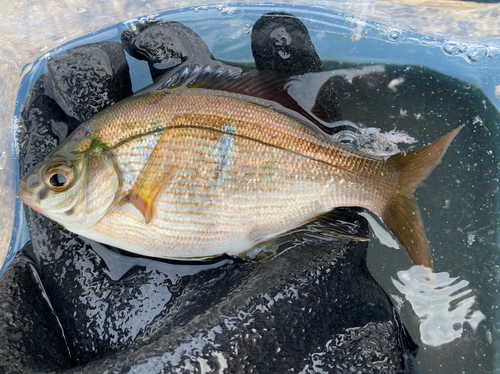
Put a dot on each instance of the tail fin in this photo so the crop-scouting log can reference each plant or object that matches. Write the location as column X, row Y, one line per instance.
column 402, row 216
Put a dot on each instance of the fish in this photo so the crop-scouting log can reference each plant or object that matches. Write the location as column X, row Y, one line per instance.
column 198, row 172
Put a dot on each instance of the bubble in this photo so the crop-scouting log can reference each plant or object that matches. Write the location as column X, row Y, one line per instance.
column 476, row 54
column 394, row 34
column 3, row 160
column 346, row 137
column 80, row 10
column 450, row 48
column 462, row 48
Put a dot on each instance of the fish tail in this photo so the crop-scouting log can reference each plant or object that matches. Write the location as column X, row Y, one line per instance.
column 402, row 215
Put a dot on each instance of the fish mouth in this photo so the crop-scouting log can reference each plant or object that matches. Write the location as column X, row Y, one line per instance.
column 27, row 197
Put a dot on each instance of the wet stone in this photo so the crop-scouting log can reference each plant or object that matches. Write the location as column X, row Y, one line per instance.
column 327, row 102
column 281, row 43
column 164, row 45
column 43, row 125
column 26, row 320
column 89, row 78
column 169, row 45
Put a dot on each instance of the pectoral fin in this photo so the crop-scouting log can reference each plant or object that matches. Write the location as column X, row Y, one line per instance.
column 156, row 174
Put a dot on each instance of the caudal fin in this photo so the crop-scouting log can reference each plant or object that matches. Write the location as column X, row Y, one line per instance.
column 402, row 216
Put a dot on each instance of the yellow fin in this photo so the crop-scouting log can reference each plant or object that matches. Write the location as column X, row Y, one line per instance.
column 154, row 177
column 402, row 216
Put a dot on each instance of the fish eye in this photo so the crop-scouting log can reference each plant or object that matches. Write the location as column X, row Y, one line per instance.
column 58, row 177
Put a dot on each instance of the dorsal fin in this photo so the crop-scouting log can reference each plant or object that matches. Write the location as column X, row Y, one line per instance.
column 267, row 85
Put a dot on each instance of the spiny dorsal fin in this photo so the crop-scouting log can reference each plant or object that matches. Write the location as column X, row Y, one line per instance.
column 267, row 85
column 402, row 215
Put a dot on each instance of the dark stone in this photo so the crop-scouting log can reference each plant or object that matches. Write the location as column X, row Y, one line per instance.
column 42, row 126
column 168, row 45
column 89, row 78
column 164, row 45
column 30, row 333
column 327, row 102
column 281, row 43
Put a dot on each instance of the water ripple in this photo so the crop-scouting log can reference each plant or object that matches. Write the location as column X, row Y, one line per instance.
column 442, row 306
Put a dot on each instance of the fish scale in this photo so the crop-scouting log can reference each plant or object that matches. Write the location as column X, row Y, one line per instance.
column 205, row 172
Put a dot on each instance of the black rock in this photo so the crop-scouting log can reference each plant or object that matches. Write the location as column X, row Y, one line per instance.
column 168, row 45
column 30, row 336
column 42, row 126
column 281, row 43
column 327, row 102
column 89, row 78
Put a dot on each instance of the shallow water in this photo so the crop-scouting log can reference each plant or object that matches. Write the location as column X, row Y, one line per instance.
column 439, row 88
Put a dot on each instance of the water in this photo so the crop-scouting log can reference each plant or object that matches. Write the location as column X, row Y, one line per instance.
column 426, row 87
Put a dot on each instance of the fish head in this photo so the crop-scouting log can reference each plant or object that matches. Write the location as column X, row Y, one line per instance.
column 76, row 184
